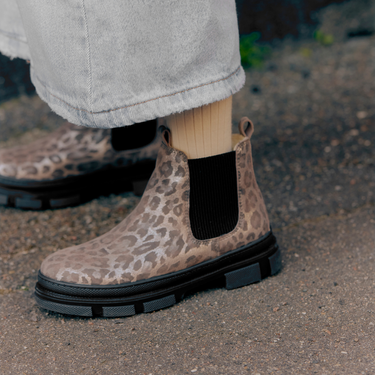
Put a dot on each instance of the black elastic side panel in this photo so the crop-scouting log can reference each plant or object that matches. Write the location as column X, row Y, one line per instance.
column 134, row 136
column 213, row 195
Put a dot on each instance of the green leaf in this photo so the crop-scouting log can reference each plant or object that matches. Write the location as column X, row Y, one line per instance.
column 252, row 54
column 323, row 39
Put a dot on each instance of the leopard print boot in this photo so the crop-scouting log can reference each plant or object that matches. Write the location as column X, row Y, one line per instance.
column 73, row 165
column 153, row 257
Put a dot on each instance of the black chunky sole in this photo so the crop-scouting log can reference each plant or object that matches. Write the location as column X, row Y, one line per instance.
column 71, row 191
column 244, row 266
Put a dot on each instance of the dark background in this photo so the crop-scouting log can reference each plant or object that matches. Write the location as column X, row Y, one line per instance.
column 274, row 19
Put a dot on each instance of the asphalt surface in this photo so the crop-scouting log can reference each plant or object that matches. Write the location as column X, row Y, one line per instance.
column 314, row 155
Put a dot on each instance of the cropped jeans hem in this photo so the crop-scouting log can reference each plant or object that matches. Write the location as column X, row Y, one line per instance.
column 191, row 97
column 13, row 45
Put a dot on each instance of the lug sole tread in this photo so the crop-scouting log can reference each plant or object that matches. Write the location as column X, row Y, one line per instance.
column 243, row 276
column 69, row 193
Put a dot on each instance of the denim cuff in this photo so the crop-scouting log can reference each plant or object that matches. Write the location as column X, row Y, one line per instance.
column 212, row 90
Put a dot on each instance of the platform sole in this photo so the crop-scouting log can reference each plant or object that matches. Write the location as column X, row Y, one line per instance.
column 71, row 191
column 238, row 268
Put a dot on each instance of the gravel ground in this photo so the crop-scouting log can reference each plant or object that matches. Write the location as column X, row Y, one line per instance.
column 313, row 108
column 316, row 316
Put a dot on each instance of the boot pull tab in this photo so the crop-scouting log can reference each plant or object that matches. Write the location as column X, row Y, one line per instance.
column 248, row 132
column 165, row 135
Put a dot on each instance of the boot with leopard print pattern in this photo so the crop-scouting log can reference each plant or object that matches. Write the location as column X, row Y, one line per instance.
column 75, row 164
column 183, row 235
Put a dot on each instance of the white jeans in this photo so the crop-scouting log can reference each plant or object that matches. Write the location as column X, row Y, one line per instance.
column 110, row 63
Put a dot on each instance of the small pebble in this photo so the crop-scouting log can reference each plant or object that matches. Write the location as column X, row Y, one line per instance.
column 361, row 115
